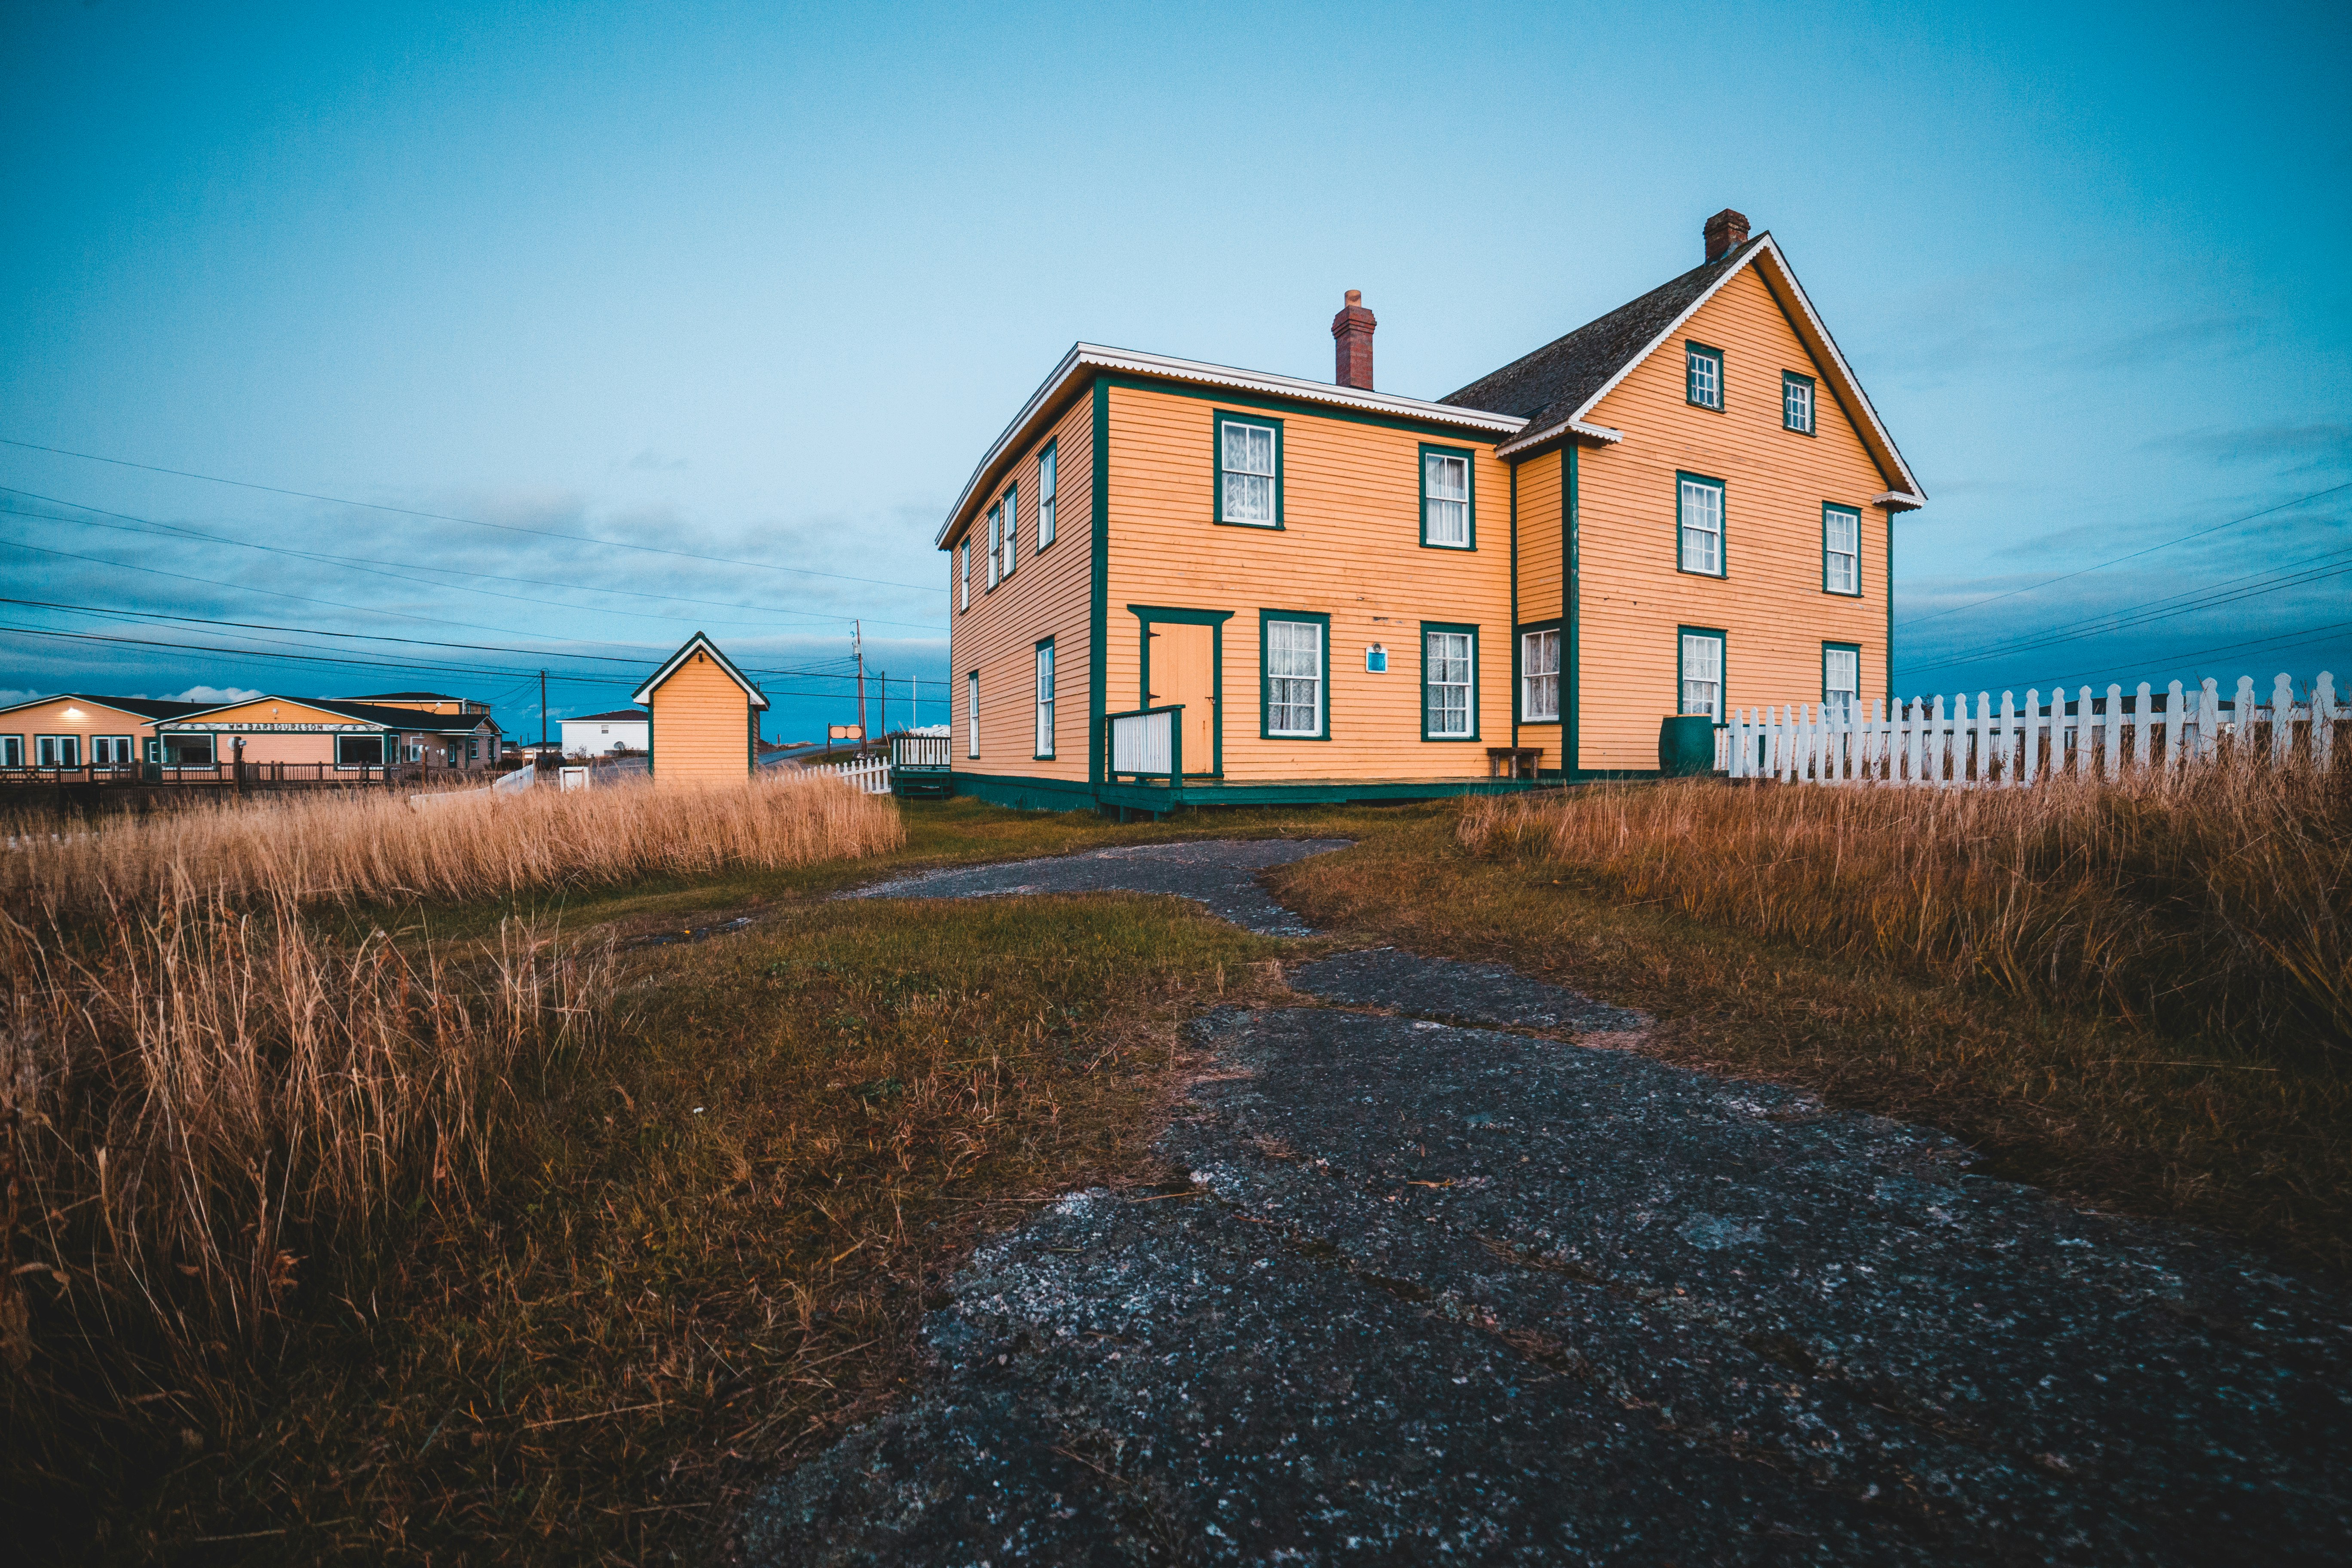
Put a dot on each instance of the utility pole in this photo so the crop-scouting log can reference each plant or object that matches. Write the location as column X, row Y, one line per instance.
column 542, row 709
column 882, row 726
column 857, row 651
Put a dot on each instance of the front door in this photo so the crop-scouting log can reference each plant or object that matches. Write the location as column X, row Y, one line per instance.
column 1184, row 669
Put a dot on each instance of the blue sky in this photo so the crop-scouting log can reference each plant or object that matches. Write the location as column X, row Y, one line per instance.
column 756, row 285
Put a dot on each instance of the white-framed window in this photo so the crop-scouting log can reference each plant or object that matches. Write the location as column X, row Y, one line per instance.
column 1704, row 381
column 1046, row 699
column 1445, row 499
column 1012, row 530
column 1840, row 549
column 995, row 542
column 1797, row 402
column 1294, row 678
column 963, row 573
column 1540, row 677
column 1702, row 674
column 57, row 750
column 1841, row 680
column 110, row 752
column 972, row 714
column 1248, row 471
column 1048, row 484
column 1699, row 524
column 1448, row 680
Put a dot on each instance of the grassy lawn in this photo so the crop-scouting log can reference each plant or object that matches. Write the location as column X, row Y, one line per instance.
column 711, row 1237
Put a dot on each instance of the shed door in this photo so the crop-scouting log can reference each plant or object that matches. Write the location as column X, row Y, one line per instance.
column 1183, row 670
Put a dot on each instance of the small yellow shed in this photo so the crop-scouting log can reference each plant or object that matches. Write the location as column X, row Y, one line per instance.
column 705, row 720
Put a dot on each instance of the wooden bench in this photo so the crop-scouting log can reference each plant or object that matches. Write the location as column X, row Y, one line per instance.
column 1512, row 762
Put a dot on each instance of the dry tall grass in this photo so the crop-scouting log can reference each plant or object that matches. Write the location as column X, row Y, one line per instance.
column 203, row 1103
column 2216, row 903
column 365, row 846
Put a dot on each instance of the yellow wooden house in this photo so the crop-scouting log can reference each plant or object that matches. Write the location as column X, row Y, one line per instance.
column 328, row 734
column 1279, row 589
column 705, row 715
column 74, row 730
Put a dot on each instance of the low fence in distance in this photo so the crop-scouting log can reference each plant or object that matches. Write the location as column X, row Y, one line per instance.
column 240, row 772
column 1918, row 742
column 871, row 774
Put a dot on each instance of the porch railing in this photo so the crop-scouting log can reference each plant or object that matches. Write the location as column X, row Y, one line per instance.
column 1149, row 743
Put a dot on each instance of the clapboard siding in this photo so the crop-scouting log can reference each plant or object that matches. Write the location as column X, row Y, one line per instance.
column 1349, row 548
column 1771, row 604
column 701, row 724
column 1542, row 569
column 1046, row 596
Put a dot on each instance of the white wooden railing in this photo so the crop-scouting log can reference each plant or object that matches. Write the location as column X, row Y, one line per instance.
column 920, row 751
column 1144, row 742
column 1920, row 742
column 871, row 774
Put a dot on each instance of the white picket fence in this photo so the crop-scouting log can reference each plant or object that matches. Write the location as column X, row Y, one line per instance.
column 871, row 774
column 1921, row 743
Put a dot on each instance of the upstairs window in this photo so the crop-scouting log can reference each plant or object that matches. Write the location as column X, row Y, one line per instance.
column 1840, row 549
column 1445, row 520
column 1797, row 402
column 1449, row 663
column 1698, row 508
column 1249, row 471
column 1012, row 530
column 1048, row 463
column 1841, row 680
column 995, row 542
column 1703, row 375
column 963, row 573
column 1702, row 673
column 1540, row 677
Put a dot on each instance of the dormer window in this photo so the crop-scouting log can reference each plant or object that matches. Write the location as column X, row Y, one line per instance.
column 1797, row 402
column 1703, row 383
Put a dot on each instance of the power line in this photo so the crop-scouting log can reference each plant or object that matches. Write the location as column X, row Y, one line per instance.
column 474, row 521
column 2284, row 639
column 2135, row 555
column 376, row 568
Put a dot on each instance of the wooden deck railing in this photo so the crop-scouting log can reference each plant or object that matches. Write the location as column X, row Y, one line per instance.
column 1149, row 743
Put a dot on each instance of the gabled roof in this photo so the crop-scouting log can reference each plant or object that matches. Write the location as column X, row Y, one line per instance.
column 142, row 707
column 698, row 642
column 1556, row 388
column 1085, row 361
column 617, row 716
column 411, row 718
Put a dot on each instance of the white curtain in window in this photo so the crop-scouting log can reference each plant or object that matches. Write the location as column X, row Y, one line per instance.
column 1293, row 678
column 1446, row 682
column 1446, row 483
column 1841, row 680
column 1840, row 549
column 1703, row 674
column 1540, row 677
column 1702, row 526
column 1249, row 473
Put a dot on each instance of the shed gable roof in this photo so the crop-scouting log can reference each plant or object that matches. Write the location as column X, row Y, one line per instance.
column 700, row 643
column 333, row 708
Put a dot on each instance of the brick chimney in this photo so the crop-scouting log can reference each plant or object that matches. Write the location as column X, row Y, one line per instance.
column 1727, row 231
column 1352, row 330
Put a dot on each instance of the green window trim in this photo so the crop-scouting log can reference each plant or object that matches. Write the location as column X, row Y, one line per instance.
column 1723, row 668
column 1218, row 420
column 1519, row 634
column 1046, row 715
column 1470, row 493
column 1722, row 519
column 1049, row 490
column 1852, row 648
column 1854, row 512
column 1150, row 614
column 1265, row 731
column 1693, row 386
column 1790, row 378
column 1428, row 628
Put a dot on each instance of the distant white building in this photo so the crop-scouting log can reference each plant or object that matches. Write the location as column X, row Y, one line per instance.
column 600, row 734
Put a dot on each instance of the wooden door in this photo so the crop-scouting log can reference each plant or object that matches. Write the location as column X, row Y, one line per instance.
column 1183, row 670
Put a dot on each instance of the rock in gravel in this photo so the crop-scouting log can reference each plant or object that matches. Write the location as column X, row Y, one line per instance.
column 1457, row 993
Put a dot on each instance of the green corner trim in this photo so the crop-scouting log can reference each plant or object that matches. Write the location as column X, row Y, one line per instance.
column 1571, row 693
column 1514, row 600
column 1099, row 595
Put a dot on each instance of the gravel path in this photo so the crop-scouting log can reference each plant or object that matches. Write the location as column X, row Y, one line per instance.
column 1220, row 873
column 1450, row 1293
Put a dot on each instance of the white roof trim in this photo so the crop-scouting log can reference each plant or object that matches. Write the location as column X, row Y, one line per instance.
column 1817, row 340
column 1898, row 500
column 699, row 641
column 1087, row 357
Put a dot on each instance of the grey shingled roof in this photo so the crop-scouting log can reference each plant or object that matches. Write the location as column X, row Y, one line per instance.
column 1545, row 387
